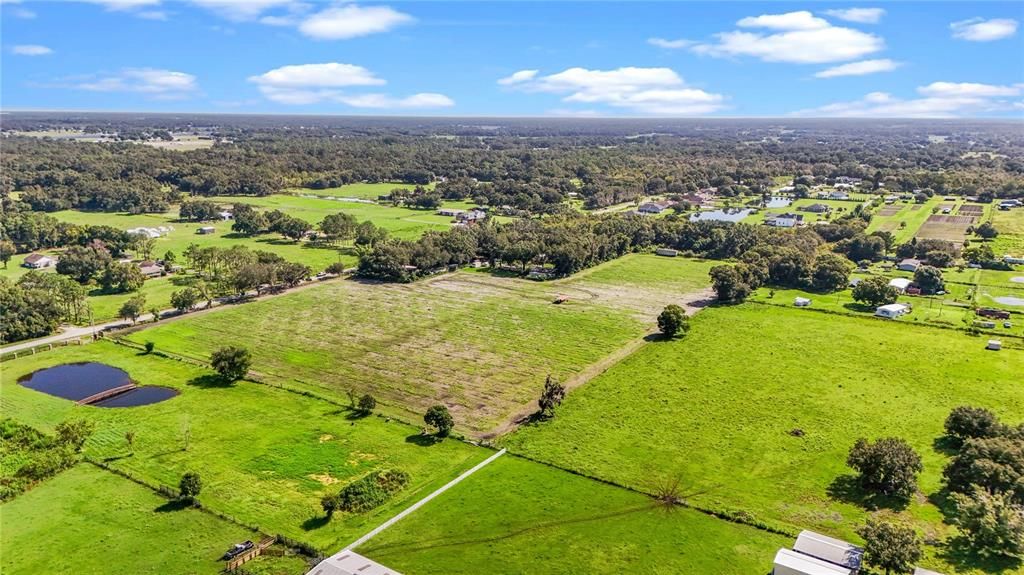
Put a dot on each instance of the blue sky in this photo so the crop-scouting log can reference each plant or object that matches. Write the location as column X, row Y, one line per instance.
column 884, row 59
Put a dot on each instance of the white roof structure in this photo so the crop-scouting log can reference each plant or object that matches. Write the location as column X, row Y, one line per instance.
column 919, row 571
column 350, row 563
column 792, row 563
column 829, row 549
column 900, row 283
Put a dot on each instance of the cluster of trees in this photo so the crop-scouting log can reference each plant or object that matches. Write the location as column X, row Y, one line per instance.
column 782, row 266
column 199, row 211
column 251, row 222
column 239, row 269
column 35, row 304
column 38, row 456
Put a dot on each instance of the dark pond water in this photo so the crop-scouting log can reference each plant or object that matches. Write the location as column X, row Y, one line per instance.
column 144, row 395
column 77, row 381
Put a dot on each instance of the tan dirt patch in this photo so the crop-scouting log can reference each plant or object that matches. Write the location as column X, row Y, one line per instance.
column 324, row 478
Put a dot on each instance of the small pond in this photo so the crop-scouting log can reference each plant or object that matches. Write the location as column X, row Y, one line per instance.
column 778, row 203
column 81, row 381
column 723, row 215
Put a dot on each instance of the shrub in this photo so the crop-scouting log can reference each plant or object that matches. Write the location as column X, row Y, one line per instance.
column 371, row 491
column 231, row 362
column 335, row 268
column 440, row 419
column 190, row 486
column 367, row 403
column 888, row 466
column 150, row 346
column 673, row 320
column 966, row 422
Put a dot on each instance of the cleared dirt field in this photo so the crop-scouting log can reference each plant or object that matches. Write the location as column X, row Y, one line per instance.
column 945, row 227
column 481, row 345
column 971, row 210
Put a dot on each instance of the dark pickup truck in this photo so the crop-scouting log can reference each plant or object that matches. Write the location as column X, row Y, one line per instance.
column 237, row 549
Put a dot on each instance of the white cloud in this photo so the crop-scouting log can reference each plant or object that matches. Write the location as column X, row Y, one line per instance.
column 351, row 21
column 152, row 15
column 22, row 13
column 859, row 15
column 153, row 82
column 240, row 10
column 517, row 77
column 802, row 20
column 670, row 44
column 123, row 4
column 31, row 50
column 861, row 68
column 797, row 37
column 938, row 100
column 657, row 91
column 981, row 30
column 305, row 84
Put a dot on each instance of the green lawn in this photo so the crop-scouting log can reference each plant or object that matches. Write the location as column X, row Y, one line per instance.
column 266, row 456
column 1010, row 224
column 157, row 291
column 839, row 207
column 90, row 521
column 910, row 213
column 483, row 345
column 515, row 516
column 718, row 410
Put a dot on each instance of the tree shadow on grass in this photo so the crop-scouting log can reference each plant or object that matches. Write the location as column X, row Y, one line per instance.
column 859, row 307
column 315, row 522
column 958, row 552
column 211, row 381
column 847, row 489
column 356, row 414
column 423, row 440
column 173, row 505
column 946, row 445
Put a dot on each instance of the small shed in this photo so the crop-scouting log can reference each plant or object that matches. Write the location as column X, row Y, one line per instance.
column 901, row 284
column 920, row 571
column 801, row 302
column 994, row 345
column 892, row 311
column 908, row 265
column 792, row 563
column 829, row 549
column 206, row 230
column 667, row 252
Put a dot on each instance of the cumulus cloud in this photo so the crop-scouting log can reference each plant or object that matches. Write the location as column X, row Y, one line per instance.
column 152, row 82
column 305, row 84
column 520, row 76
column 123, row 4
column 859, row 15
column 351, row 21
column 796, row 37
column 981, row 30
column 938, row 100
column 861, row 68
column 240, row 10
column 658, row 91
column 670, row 44
column 31, row 50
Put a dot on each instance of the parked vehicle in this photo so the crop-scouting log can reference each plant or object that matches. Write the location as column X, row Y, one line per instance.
column 993, row 313
column 237, row 549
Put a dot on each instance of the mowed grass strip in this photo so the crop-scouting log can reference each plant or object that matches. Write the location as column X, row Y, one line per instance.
column 479, row 344
column 517, row 516
column 756, row 408
column 266, row 456
column 89, row 521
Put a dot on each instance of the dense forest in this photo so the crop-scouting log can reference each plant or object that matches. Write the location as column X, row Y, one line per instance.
column 529, row 165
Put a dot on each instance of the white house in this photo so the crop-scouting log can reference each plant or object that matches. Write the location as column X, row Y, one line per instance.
column 829, row 549
column 786, row 220
column 909, row 265
column 225, row 215
column 654, row 207
column 901, row 284
column 792, row 563
column 38, row 261
column 892, row 311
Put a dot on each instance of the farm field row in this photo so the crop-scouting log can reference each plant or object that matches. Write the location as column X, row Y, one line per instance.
column 759, row 403
column 480, row 344
column 902, row 219
column 267, row 456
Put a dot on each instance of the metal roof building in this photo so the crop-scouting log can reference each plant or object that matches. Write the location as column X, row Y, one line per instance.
column 829, row 549
column 350, row 563
column 792, row 563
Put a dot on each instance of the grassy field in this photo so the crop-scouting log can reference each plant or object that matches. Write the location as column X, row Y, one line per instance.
column 89, row 521
column 839, row 207
column 515, row 516
column 361, row 190
column 1010, row 224
column 266, row 456
column 480, row 344
column 912, row 214
column 718, row 410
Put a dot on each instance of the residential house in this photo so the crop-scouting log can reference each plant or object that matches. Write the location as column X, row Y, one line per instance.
column 901, row 284
column 786, row 220
column 893, row 310
column 151, row 269
column 816, row 208
column 847, row 180
column 472, row 216
column 38, row 261
column 451, row 212
column 655, row 207
column 225, row 215
column 148, row 232
column 908, row 265
column 838, row 194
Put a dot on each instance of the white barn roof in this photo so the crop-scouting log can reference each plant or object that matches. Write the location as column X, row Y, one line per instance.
column 792, row 563
column 350, row 563
column 829, row 549
column 900, row 283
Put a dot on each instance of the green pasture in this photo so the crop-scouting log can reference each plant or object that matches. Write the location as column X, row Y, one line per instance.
column 361, row 190
column 266, row 456
column 516, row 516
column 839, row 207
column 910, row 213
column 755, row 410
column 92, row 522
